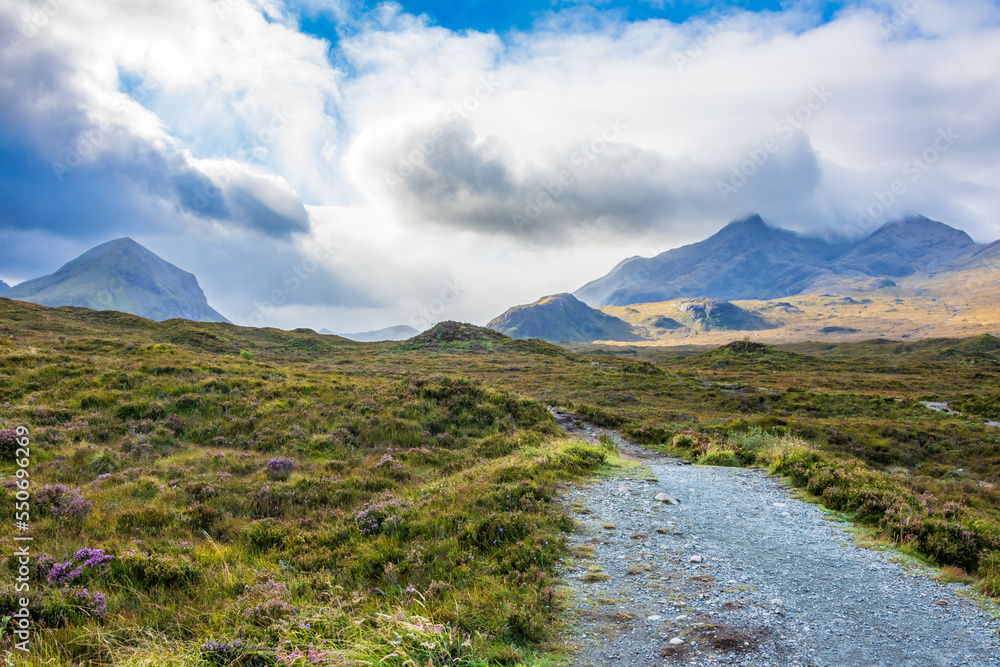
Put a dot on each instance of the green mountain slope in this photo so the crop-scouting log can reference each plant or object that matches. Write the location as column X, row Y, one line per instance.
column 121, row 275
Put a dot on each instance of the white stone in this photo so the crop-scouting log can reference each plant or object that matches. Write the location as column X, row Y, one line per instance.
column 776, row 601
column 696, row 559
column 676, row 640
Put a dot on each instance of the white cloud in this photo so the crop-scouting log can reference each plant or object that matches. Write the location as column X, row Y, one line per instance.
column 290, row 142
column 697, row 100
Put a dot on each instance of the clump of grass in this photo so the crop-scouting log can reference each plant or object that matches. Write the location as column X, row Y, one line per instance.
column 950, row 574
column 719, row 456
column 595, row 574
column 989, row 574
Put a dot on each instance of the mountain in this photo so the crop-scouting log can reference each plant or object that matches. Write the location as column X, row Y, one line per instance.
column 748, row 259
column 3, row 287
column 398, row 332
column 562, row 317
column 985, row 256
column 900, row 249
column 124, row 276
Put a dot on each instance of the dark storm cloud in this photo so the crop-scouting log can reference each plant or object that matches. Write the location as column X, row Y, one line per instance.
column 599, row 182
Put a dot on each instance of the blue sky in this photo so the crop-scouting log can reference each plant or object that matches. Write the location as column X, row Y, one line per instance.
column 497, row 151
column 486, row 15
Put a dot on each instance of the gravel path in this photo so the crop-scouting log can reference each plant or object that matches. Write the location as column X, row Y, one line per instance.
column 778, row 582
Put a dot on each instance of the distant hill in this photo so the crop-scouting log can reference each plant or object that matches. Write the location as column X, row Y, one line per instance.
column 750, row 260
column 398, row 332
column 562, row 318
column 456, row 336
column 3, row 287
column 121, row 275
column 716, row 314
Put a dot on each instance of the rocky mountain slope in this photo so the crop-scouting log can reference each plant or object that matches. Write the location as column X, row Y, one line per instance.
column 3, row 287
column 750, row 260
column 562, row 318
column 121, row 275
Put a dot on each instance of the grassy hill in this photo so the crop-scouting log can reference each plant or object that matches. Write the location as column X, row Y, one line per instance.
column 561, row 318
column 205, row 494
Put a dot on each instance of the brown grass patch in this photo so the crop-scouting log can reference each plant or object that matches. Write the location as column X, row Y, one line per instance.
column 727, row 639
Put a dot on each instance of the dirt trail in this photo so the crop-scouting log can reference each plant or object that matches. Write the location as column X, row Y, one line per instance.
column 740, row 573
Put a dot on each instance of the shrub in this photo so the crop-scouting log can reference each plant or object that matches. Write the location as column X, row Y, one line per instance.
column 754, row 440
column 380, row 516
column 720, row 457
column 58, row 607
column 8, row 443
column 265, row 603
column 104, row 462
column 83, row 563
column 263, row 503
column 201, row 516
column 265, row 534
column 684, row 440
column 989, row 573
column 236, row 652
column 65, row 503
column 279, row 468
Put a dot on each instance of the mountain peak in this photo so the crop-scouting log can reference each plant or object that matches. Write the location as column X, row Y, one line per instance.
column 751, row 221
column 904, row 247
column 922, row 224
column 121, row 275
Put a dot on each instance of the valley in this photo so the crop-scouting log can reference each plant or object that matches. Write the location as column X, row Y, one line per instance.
column 209, row 494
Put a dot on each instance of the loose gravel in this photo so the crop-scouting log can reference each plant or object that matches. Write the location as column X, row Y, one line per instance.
column 740, row 573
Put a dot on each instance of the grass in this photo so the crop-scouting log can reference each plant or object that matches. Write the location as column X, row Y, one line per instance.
column 383, row 503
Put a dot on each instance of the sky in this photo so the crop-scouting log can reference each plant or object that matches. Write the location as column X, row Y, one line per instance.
column 355, row 165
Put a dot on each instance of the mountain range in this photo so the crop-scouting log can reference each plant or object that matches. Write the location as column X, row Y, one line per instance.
column 124, row 276
column 748, row 259
column 914, row 277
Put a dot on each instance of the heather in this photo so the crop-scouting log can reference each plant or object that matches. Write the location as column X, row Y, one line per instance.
column 326, row 502
column 194, row 507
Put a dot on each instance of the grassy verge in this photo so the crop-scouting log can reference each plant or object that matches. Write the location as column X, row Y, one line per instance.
column 450, row 570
